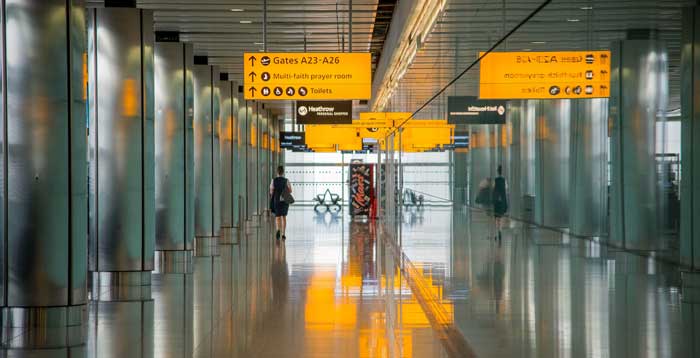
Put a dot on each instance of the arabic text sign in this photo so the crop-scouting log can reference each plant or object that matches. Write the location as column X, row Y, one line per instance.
column 545, row 75
column 307, row 76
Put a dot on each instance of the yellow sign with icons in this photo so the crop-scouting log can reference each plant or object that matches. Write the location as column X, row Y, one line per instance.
column 416, row 136
column 307, row 76
column 545, row 75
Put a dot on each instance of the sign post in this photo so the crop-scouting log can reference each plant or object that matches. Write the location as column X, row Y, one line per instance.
column 307, row 76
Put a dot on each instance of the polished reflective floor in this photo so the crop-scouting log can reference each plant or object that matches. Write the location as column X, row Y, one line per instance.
column 334, row 289
column 539, row 293
column 329, row 290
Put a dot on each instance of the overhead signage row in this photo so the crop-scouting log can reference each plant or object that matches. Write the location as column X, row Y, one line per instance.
column 545, row 75
column 471, row 110
column 324, row 112
column 417, row 135
column 307, row 76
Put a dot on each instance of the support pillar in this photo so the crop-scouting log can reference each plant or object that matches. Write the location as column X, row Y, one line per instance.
column 460, row 175
column 241, row 169
column 207, row 101
column 640, row 62
column 514, row 121
column 589, row 168
column 122, row 188
column 229, row 109
column 690, row 139
column 482, row 140
column 174, row 153
column 527, row 148
column 43, row 191
column 552, row 163
column 253, row 163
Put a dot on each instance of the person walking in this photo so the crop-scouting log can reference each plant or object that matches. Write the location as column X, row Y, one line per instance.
column 279, row 206
column 500, row 200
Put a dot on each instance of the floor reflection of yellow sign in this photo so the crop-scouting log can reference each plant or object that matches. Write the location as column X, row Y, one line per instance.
column 310, row 76
column 545, row 75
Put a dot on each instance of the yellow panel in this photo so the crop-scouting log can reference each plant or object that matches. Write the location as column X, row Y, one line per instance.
column 417, row 135
column 324, row 136
column 545, row 75
column 310, row 76
column 323, row 310
column 253, row 135
column 265, row 141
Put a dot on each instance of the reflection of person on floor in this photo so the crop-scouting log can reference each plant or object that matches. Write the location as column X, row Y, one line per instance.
column 498, row 275
column 280, row 276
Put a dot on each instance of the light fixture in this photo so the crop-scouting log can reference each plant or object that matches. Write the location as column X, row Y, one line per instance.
column 246, row 22
column 527, row 49
column 573, row 20
column 538, row 42
column 258, row 43
column 237, row 10
column 587, row 8
column 419, row 26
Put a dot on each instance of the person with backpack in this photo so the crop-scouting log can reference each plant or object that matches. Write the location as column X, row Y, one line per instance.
column 280, row 199
column 499, row 199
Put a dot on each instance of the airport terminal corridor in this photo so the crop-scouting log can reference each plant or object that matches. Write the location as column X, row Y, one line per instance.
column 349, row 178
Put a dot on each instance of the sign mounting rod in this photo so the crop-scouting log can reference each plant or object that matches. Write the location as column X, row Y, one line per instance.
column 350, row 26
column 264, row 25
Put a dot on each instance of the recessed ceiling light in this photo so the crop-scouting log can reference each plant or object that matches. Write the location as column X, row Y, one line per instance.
column 246, row 22
column 587, row 8
column 573, row 20
column 258, row 43
column 237, row 10
column 538, row 42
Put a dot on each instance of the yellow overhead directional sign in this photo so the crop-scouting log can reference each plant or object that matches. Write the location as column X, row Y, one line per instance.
column 307, row 76
column 417, row 135
column 545, row 75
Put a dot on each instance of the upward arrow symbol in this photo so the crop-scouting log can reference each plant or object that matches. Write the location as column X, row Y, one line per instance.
column 252, row 91
column 252, row 60
column 252, row 76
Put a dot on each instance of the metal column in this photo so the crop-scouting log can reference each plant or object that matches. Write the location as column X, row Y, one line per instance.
column 174, row 156
column 43, row 193
column 588, row 213
column 514, row 119
column 552, row 163
column 207, row 204
column 122, row 175
column 460, row 174
column 690, row 139
column 241, row 163
column 482, row 139
column 253, row 172
column 229, row 104
column 634, row 196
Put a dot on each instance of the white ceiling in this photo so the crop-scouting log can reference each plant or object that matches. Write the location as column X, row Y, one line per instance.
column 466, row 27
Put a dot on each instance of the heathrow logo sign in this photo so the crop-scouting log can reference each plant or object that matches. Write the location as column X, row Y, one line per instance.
column 324, row 112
